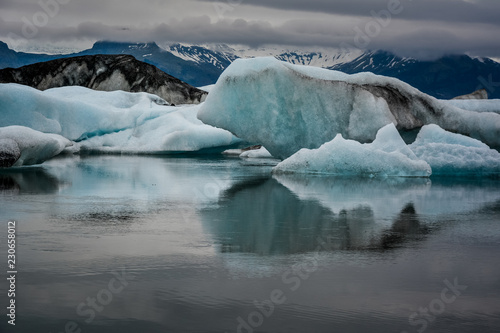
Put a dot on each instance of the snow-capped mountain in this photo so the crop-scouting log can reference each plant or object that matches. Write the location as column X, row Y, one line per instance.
column 221, row 55
column 447, row 77
column 374, row 61
column 201, row 65
column 193, row 72
column 317, row 59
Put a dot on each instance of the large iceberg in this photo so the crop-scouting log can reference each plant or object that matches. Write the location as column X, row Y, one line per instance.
column 455, row 154
column 387, row 155
column 118, row 121
column 287, row 107
column 24, row 146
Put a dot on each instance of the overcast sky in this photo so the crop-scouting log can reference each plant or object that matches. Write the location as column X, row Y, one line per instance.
column 419, row 28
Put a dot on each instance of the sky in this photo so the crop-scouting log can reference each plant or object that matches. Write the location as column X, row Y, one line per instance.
column 416, row 28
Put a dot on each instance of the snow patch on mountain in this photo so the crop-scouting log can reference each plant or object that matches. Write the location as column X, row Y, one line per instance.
column 221, row 55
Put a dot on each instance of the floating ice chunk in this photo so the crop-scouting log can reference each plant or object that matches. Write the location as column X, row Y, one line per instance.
column 76, row 112
column 388, row 155
column 287, row 107
column 455, row 154
column 256, row 153
column 117, row 122
column 34, row 147
column 477, row 105
column 233, row 152
column 178, row 131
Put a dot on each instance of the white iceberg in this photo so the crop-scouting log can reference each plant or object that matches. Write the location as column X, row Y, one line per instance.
column 287, row 107
column 477, row 105
column 26, row 146
column 454, row 154
column 117, row 122
column 177, row 131
column 256, row 153
column 388, row 155
column 75, row 112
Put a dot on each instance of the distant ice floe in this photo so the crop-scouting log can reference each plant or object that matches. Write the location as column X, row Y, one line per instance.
column 256, row 153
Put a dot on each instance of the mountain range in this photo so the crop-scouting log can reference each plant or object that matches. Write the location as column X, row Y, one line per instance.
column 201, row 65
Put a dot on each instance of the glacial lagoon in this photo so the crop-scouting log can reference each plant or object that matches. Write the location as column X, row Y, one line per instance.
column 219, row 244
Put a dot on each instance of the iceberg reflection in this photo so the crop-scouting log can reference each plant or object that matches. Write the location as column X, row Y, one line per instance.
column 290, row 214
column 28, row 180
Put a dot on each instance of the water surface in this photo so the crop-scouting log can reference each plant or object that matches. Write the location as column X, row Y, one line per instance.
column 185, row 244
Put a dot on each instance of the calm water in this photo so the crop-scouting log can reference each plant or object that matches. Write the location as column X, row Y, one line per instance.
column 144, row 244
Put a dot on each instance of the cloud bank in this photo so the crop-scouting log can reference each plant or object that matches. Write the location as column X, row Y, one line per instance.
column 422, row 28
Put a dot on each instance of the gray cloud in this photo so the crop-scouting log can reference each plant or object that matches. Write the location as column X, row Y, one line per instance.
column 313, row 23
column 471, row 11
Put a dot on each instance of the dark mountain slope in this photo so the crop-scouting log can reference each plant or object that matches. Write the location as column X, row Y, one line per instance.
column 104, row 72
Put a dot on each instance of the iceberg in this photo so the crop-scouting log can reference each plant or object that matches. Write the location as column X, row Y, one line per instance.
column 455, row 154
column 262, row 152
column 177, row 131
column 386, row 156
column 477, row 105
column 288, row 107
column 76, row 113
column 113, row 122
column 25, row 146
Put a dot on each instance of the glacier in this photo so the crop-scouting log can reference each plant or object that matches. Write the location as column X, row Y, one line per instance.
column 110, row 122
column 288, row 107
column 24, row 146
column 386, row 156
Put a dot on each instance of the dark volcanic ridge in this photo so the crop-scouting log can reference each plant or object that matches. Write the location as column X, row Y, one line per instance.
column 105, row 73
